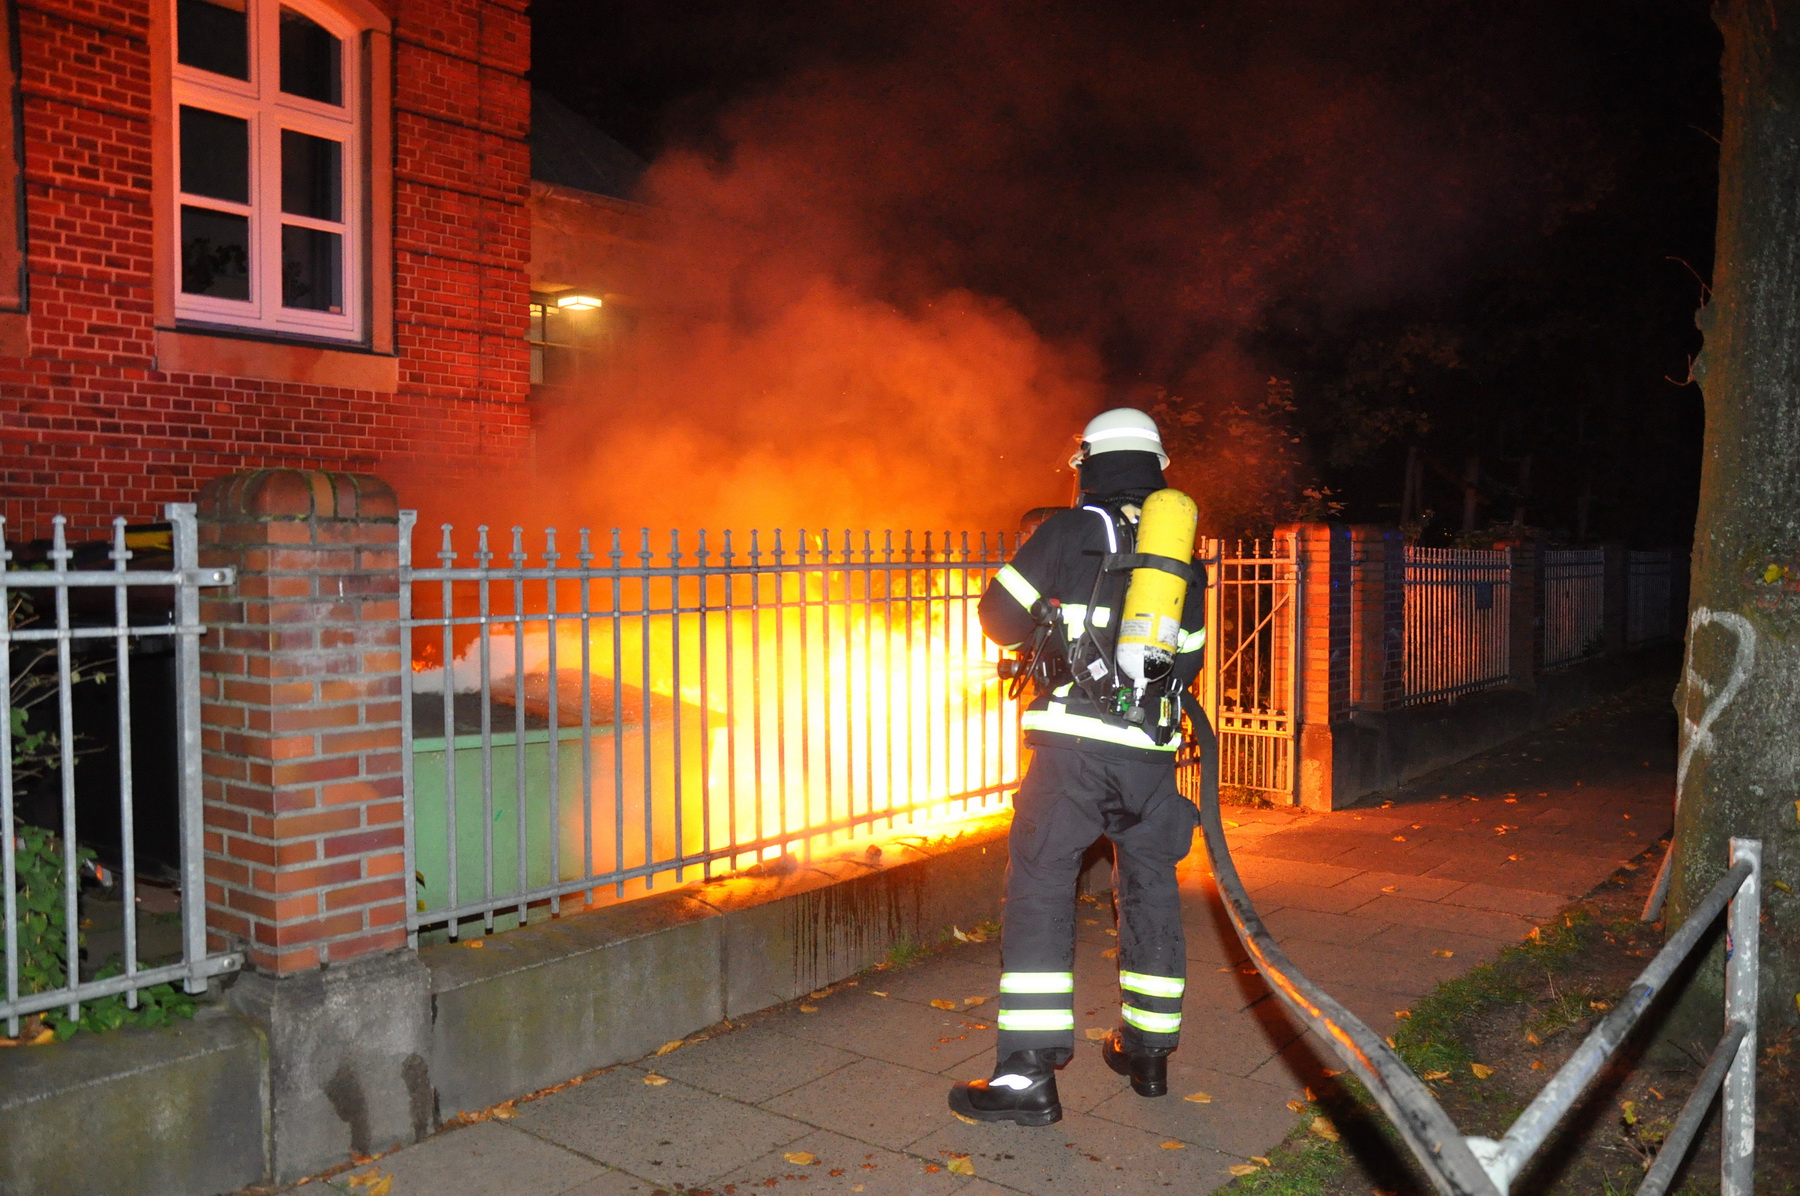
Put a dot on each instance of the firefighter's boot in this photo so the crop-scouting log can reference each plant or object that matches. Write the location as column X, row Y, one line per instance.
column 1146, row 1067
column 1022, row 1090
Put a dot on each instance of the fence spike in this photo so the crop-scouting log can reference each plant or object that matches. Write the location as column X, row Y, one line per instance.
column 517, row 555
column 585, row 555
column 445, row 554
column 551, row 556
column 482, row 555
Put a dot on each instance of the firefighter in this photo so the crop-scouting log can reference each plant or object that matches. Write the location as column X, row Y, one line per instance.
column 1093, row 772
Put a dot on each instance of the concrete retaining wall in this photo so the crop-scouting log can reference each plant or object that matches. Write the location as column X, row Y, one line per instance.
column 1372, row 752
column 178, row 1111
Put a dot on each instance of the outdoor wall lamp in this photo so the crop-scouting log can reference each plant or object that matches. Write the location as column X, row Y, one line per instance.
column 577, row 302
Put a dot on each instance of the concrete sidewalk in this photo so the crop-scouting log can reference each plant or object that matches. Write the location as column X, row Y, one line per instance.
column 846, row 1092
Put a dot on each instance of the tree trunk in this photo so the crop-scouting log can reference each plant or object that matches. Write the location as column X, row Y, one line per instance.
column 1739, row 771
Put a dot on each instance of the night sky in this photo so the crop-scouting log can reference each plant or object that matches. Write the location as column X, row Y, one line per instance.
column 1314, row 236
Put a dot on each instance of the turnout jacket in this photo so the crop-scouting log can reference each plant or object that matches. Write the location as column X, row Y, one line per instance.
column 1061, row 560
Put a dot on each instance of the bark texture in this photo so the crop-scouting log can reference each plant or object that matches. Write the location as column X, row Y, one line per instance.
column 1740, row 695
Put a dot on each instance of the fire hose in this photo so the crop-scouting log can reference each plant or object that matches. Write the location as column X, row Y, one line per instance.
column 1440, row 1147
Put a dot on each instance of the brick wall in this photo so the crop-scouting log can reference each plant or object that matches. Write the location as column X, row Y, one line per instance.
column 91, row 427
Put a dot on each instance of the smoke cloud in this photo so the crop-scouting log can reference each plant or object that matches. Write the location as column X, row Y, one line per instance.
column 887, row 286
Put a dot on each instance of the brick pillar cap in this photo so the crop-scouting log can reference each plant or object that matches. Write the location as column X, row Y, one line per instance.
column 262, row 495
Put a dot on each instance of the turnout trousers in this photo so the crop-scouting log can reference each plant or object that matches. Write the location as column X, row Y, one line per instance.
column 1068, row 799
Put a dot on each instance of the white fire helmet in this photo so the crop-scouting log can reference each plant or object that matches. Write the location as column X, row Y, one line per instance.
column 1117, row 430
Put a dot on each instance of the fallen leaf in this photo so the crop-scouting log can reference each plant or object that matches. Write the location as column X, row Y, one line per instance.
column 1172, row 1144
column 1629, row 1109
column 961, row 1165
column 1322, row 1126
column 1111, row 931
column 878, row 992
column 1391, row 1045
column 505, row 1111
column 1199, row 1098
column 1442, row 954
column 960, row 1117
column 474, row 943
column 815, row 1008
column 1233, row 825
column 43, row 1037
column 1602, row 1006
column 1537, row 1065
column 1482, row 1071
column 666, row 1047
column 1511, row 800
column 1656, row 1094
column 800, row 1158
column 1327, row 1072
column 933, row 1167
column 1095, row 1033
column 1296, row 1106
column 656, row 1081
column 1389, row 888
column 382, row 1186
column 1515, row 858
column 971, row 1002
column 1437, row 1075
column 1243, row 1168
column 1399, row 838
column 360, row 1159
column 1533, row 1039
column 1110, row 953
column 960, row 937
column 1256, row 1158
column 1782, row 885
column 943, row 1004
column 1403, row 1014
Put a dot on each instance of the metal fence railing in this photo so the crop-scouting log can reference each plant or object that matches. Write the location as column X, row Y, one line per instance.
column 100, row 754
column 1649, row 592
column 1249, row 683
column 1574, row 605
column 1458, row 621
column 577, row 720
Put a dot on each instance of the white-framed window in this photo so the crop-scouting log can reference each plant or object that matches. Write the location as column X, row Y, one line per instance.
column 269, row 184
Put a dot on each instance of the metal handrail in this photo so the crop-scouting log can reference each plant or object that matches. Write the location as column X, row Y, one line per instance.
column 1460, row 1165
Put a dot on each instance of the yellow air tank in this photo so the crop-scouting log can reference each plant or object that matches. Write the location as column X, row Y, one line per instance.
column 1150, row 626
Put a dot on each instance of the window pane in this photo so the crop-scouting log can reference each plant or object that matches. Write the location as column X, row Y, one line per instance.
column 312, row 268
column 215, row 253
column 215, row 155
column 311, row 59
column 212, row 35
column 311, row 175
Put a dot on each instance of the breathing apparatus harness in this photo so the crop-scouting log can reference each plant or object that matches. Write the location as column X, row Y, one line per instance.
column 1088, row 661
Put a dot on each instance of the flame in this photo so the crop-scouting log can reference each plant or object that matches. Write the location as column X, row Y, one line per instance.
column 814, row 718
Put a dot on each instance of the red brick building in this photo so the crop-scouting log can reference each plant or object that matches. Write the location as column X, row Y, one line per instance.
column 243, row 233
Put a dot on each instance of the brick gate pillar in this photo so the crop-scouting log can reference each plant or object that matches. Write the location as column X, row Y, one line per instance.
column 1525, row 613
column 301, row 718
column 1323, row 664
column 300, row 726
column 1377, row 618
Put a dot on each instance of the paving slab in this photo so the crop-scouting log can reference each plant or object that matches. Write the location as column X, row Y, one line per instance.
column 903, row 1032
column 858, row 1167
column 752, row 1064
column 1464, row 919
column 489, row 1158
column 1235, row 1121
column 1081, row 1154
column 670, row 1134
column 872, row 1101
